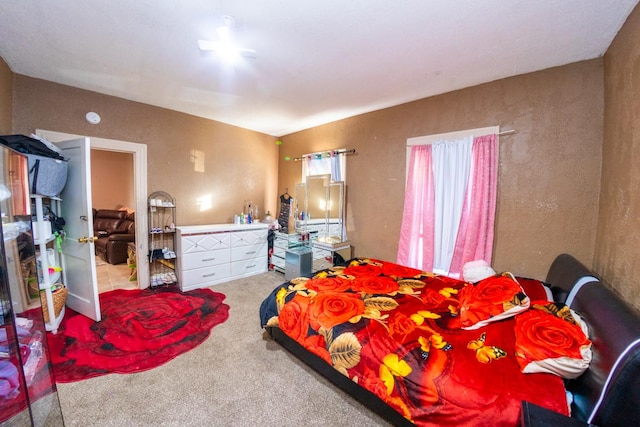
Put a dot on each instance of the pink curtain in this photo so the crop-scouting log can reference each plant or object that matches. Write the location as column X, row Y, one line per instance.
column 415, row 248
column 475, row 235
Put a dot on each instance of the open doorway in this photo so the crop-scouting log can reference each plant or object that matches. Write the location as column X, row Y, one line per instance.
column 138, row 153
column 113, row 201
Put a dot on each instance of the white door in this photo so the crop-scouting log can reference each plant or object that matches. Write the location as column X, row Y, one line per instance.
column 78, row 248
column 139, row 152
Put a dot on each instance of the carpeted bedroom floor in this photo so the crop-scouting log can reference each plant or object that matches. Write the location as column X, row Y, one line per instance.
column 237, row 377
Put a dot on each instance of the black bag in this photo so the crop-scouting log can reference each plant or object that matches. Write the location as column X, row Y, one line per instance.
column 28, row 145
column 57, row 222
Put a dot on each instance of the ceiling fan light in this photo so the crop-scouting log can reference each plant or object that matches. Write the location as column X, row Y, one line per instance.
column 207, row 45
column 225, row 47
column 224, row 33
column 228, row 52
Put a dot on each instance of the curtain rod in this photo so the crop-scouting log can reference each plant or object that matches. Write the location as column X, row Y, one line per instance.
column 430, row 139
column 321, row 154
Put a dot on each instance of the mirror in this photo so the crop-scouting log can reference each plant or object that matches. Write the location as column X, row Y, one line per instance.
column 320, row 203
column 317, row 197
column 28, row 396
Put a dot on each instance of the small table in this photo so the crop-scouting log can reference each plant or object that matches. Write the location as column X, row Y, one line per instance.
column 298, row 262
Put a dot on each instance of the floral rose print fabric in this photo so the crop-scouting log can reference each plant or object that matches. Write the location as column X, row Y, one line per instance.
column 402, row 334
column 552, row 338
column 491, row 299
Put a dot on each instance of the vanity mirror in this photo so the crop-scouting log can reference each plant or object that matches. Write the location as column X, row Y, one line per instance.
column 320, row 208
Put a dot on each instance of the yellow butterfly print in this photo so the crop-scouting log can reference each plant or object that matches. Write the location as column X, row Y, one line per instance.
column 435, row 340
column 421, row 315
column 485, row 354
column 447, row 292
column 393, row 366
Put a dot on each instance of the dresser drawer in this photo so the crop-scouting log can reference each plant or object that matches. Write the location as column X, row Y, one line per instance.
column 281, row 243
column 277, row 261
column 193, row 243
column 246, row 252
column 248, row 238
column 278, row 251
column 202, row 276
column 249, row 266
column 316, row 228
column 321, row 264
column 321, row 254
column 205, row 259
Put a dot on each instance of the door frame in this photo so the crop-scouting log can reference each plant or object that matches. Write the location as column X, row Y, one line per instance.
column 139, row 152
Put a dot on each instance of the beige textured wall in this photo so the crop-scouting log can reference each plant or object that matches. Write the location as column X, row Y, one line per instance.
column 238, row 163
column 549, row 171
column 6, row 98
column 617, row 250
column 112, row 180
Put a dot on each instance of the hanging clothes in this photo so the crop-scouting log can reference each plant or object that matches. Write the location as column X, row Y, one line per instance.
column 285, row 211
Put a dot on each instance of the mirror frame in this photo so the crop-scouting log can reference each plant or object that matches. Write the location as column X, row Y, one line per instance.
column 322, row 198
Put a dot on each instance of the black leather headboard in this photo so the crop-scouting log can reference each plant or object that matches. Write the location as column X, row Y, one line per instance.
column 564, row 274
column 608, row 393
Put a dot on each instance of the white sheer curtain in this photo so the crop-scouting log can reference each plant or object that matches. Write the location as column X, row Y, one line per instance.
column 333, row 164
column 451, row 164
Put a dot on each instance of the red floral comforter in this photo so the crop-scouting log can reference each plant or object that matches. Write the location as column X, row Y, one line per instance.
column 398, row 332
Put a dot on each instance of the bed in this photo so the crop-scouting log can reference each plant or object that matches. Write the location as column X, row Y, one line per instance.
column 422, row 349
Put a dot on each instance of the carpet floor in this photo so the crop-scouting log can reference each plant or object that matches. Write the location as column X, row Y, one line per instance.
column 237, row 377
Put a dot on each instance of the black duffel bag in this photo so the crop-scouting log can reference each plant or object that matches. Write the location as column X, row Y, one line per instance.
column 27, row 145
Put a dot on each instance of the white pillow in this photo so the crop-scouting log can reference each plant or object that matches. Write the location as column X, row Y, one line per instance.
column 474, row 271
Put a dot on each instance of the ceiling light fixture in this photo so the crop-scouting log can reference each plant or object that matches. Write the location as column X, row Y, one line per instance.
column 225, row 47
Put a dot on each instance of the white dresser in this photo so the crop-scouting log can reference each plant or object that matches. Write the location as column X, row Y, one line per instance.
column 217, row 253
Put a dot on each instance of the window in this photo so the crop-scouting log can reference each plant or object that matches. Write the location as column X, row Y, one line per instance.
column 325, row 163
column 450, row 198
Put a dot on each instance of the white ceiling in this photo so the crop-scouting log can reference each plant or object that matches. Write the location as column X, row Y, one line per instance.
column 317, row 60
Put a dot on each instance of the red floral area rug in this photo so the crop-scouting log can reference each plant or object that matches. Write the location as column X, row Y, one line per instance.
column 139, row 330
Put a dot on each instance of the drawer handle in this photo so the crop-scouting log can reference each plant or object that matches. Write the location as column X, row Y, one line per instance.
column 209, row 259
column 251, row 252
column 209, row 275
column 250, row 266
